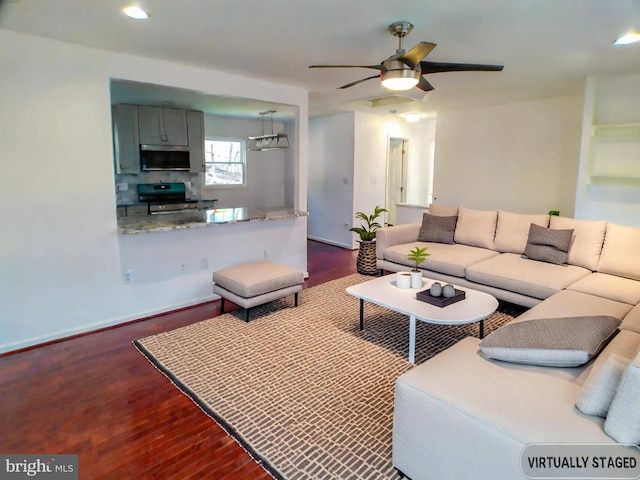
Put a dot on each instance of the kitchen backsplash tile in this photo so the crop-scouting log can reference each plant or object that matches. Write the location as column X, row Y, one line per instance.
column 130, row 196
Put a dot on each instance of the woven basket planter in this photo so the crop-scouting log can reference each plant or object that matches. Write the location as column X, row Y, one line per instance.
column 366, row 262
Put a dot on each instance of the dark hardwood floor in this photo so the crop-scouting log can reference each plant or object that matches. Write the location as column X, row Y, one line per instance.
column 94, row 395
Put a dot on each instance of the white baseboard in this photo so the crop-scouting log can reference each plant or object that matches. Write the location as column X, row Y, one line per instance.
column 62, row 334
column 331, row 242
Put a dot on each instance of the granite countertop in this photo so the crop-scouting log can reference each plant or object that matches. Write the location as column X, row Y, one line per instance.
column 202, row 218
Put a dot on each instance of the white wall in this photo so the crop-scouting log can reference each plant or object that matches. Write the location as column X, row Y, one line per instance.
column 265, row 170
column 331, row 177
column 421, row 135
column 609, row 100
column 521, row 157
column 372, row 135
column 371, row 141
column 60, row 255
column 348, row 166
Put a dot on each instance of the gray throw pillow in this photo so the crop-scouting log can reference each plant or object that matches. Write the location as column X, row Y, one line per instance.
column 548, row 245
column 437, row 229
column 551, row 342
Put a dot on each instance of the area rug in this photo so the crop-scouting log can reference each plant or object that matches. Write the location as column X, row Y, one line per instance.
column 302, row 389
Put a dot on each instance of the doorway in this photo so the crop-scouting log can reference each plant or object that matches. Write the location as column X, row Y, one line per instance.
column 397, row 163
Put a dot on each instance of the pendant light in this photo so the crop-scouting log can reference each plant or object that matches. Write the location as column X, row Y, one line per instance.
column 269, row 141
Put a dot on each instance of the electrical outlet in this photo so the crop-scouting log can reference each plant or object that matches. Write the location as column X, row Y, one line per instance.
column 204, row 263
column 183, row 267
column 128, row 276
column 266, row 255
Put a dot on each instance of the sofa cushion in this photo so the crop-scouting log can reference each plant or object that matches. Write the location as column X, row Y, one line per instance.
column 512, row 230
column 554, row 342
column 476, row 227
column 623, row 419
column 616, row 288
column 548, row 245
column 510, row 271
column 437, row 229
column 500, row 396
column 632, row 321
column 396, row 235
column 442, row 211
column 586, row 244
column 444, row 258
column 620, row 251
column 567, row 303
column 598, row 391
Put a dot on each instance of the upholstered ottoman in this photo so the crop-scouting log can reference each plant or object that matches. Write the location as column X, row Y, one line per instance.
column 251, row 284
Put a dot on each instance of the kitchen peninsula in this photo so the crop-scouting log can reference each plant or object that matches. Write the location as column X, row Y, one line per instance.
column 202, row 218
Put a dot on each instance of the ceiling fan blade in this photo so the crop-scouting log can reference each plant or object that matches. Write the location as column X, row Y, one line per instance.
column 417, row 53
column 375, row 67
column 358, row 81
column 423, row 84
column 437, row 67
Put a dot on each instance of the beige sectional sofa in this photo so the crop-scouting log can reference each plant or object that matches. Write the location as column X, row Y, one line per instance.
column 465, row 415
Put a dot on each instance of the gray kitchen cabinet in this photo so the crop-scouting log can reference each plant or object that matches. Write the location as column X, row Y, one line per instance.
column 195, row 131
column 126, row 144
column 162, row 126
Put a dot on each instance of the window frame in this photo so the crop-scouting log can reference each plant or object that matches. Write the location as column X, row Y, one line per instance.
column 243, row 153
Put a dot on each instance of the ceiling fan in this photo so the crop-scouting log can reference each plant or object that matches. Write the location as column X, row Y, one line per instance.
column 404, row 70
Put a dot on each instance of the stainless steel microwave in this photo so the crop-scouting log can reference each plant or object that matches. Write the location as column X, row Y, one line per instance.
column 164, row 157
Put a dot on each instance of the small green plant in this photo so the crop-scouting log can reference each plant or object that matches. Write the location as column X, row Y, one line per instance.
column 367, row 230
column 554, row 212
column 418, row 255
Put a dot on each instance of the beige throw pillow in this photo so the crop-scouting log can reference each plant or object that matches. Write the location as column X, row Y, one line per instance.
column 442, row 211
column 552, row 342
column 476, row 227
column 598, row 391
column 586, row 244
column 620, row 251
column 512, row 230
column 623, row 419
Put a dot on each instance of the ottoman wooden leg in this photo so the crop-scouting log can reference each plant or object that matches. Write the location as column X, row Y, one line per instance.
column 246, row 314
column 221, row 305
column 296, row 297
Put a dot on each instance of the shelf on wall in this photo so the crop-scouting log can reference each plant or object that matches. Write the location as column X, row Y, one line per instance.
column 615, row 177
column 616, row 151
column 615, row 132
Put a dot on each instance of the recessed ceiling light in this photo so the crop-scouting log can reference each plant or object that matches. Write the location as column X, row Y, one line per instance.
column 628, row 38
column 412, row 116
column 135, row 12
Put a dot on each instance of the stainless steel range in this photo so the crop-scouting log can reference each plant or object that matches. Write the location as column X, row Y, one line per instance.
column 169, row 198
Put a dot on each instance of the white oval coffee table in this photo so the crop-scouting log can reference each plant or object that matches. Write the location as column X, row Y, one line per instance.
column 383, row 291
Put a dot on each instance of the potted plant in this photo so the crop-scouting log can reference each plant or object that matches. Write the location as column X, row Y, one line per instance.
column 366, row 263
column 417, row 255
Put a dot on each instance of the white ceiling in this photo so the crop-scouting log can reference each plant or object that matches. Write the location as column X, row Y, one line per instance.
column 548, row 47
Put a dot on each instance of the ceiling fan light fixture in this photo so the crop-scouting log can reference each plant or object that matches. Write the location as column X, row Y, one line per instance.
column 401, row 79
column 135, row 12
column 626, row 39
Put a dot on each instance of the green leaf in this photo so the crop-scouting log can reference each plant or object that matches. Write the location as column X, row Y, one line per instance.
column 418, row 255
column 368, row 232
